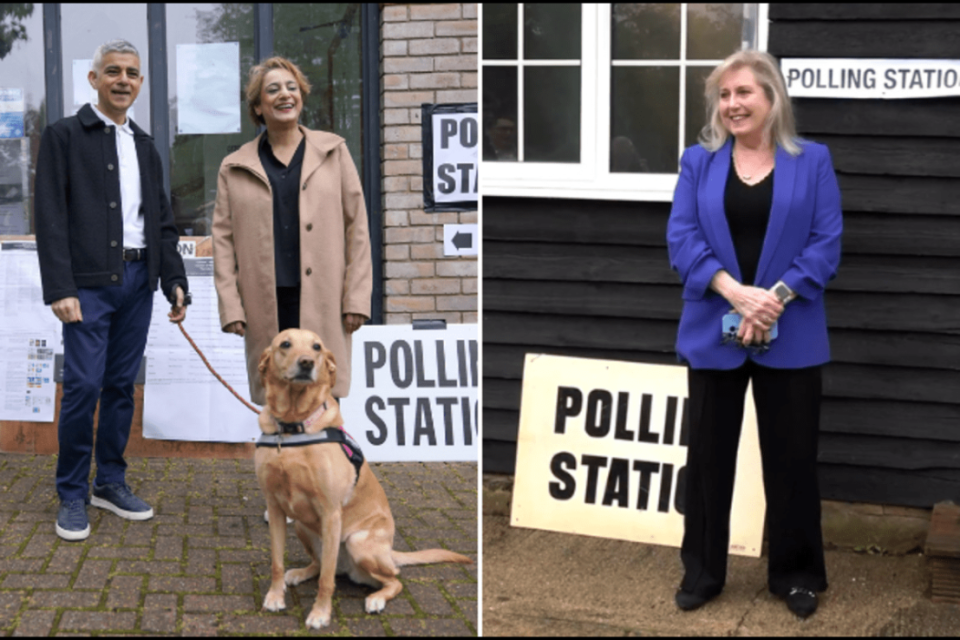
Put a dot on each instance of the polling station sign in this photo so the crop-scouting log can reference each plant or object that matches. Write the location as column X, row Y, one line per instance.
column 601, row 451
column 413, row 394
column 870, row 78
column 451, row 135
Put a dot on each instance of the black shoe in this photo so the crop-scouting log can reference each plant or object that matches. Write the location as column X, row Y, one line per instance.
column 687, row 601
column 802, row 602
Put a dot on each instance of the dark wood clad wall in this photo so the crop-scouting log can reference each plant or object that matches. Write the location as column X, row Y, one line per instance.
column 591, row 278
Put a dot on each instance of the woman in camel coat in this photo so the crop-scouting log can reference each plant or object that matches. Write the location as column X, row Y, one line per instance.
column 307, row 233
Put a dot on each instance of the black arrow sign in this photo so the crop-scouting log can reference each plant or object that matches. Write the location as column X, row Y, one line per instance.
column 463, row 240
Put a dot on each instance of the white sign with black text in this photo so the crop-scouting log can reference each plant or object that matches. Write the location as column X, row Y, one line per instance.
column 413, row 394
column 460, row 240
column 455, row 138
column 870, row 78
column 602, row 451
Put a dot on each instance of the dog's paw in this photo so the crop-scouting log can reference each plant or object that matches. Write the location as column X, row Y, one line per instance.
column 318, row 619
column 296, row 576
column 274, row 600
column 375, row 604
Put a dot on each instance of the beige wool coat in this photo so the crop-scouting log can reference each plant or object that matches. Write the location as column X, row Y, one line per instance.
column 336, row 274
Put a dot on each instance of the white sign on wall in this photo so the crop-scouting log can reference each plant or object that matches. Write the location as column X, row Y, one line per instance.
column 602, row 449
column 870, row 78
column 460, row 240
column 455, row 137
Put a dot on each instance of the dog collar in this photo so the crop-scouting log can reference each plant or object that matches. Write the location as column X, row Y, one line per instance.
column 288, row 428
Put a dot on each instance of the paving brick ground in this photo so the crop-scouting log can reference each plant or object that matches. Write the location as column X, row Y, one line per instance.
column 201, row 566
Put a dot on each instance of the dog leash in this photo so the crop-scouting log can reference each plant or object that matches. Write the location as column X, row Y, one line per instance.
column 348, row 451
column 215, row 374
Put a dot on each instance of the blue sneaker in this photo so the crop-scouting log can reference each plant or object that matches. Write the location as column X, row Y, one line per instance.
column 72, row 522
column 117, row 497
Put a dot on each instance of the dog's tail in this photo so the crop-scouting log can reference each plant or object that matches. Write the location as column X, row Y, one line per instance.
column 427, row 556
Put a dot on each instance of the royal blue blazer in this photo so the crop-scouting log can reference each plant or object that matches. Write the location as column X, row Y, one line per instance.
column 801, row 247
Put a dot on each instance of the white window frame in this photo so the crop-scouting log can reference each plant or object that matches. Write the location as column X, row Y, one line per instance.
column 591, row 177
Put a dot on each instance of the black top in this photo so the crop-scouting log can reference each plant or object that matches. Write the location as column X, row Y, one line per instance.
column 79, row 224
column 748, row 211
column 285, row 183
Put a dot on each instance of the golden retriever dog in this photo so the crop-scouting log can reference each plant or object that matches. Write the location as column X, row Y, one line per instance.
column 341, row 516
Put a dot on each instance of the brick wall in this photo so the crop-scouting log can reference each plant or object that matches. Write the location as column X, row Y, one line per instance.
column 429, row 55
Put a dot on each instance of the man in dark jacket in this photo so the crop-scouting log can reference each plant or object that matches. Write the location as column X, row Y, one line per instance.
column 105, row 234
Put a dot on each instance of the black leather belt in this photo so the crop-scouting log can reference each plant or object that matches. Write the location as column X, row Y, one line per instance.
column 134, row 255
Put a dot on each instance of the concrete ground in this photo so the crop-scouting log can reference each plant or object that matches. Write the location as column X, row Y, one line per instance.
column 201, row 566
column 555, row 584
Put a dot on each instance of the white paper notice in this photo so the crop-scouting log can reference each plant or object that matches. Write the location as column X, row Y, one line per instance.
column 27, row 389
column 21, row 296
column 181, row 398
column 208, row 88
column 29, row 335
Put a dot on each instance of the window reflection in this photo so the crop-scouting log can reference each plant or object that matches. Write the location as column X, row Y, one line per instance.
column 22, row 113
column 551, row 31
column 195, row 158
column 696, row 116
column 714, row 31
column 644, row 119
column 646, row 31
column 324, row 41
column 551, row 114
column 500, row 31
column 500, row 113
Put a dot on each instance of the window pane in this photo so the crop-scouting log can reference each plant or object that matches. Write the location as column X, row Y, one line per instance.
column 195, row 158
column 324, row 41
column 551, row 31
column 696, row 115
column 22, row 115
column 551, row 114
column 714, row 31
column 644, row 119
column 500, row 31
column 87, row 26
column 646, row 31
column 499, row 112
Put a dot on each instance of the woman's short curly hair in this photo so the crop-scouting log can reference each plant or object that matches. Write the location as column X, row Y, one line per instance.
column 255, row 83
column 780, row 125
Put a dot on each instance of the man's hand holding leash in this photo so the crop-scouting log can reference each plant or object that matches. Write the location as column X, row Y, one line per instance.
column 179, row 302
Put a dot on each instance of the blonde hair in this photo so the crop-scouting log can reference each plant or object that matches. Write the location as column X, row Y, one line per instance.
column 255, row 83
column 780, row 126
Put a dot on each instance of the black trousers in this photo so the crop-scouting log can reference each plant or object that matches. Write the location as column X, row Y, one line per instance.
column 288, row 307
column 788, row 418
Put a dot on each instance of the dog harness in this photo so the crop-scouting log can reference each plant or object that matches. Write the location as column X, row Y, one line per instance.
column 292, row 434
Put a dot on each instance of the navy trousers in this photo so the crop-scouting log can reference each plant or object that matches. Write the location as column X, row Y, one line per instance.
column 788, row 421
column 102, row 356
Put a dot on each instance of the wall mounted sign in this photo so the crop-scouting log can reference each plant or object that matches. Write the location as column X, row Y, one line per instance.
column 602, row 449
column 451, row 133
column 460, row 240
column 870, row 78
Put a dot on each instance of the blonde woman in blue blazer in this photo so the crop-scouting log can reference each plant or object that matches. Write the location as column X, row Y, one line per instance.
column 754, row 233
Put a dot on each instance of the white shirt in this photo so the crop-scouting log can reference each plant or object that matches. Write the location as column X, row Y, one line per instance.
column 130, row 194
